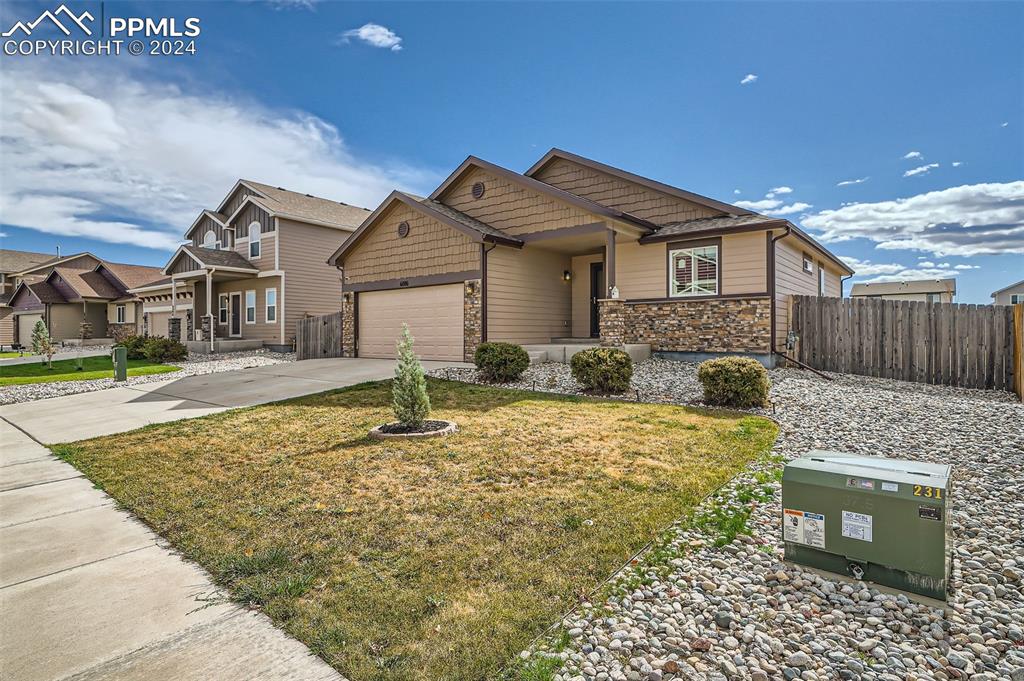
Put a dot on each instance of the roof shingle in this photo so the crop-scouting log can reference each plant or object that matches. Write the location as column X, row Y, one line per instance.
column 218, row 258
column 308, row 206
column 16, row 261
column 88, row 283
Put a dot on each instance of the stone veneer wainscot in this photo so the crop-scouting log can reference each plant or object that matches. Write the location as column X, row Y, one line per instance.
column 708, row 325
column 472, row 317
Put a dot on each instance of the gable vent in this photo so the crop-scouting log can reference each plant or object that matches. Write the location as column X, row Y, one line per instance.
column 403, row 230
column 478, row 190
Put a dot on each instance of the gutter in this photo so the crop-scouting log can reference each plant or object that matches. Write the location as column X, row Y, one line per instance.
column 842, row 283
column 771, row 290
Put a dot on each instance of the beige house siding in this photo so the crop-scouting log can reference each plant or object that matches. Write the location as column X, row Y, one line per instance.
column 641, row 271
column 791, row 279
column 581, row 293
column 512, row 208
column 267, row 259
column 1003, row 297
column 431, row 247
column 312, row 287
column 528, row 301
column 129, row 312
column 65, row 320
column 621, row 194
column 7, row 322
column 261, row 330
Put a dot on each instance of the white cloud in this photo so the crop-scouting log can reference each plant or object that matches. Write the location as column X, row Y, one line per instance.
column 967, row 267
column 115, row 158
column 780, row 190
column 859, row 180
column 979, row 219
column 921, row 170
column 871, row 272
column 1004, row 124
column 957, row 164
column 913, row 154
column 796, row 207
column 926, row 263
column 736, row 191
column 375, row 35
column 748, row 79
column 766, row 204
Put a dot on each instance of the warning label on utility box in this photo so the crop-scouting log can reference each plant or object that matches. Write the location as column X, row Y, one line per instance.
column 803, row 527
column 857, row 525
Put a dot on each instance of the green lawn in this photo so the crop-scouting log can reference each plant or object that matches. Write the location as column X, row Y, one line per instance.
column 420, row 559
column 66, row 370
column 15, row 353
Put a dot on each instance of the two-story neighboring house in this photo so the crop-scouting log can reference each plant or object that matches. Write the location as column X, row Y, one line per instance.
column 921, row 290
column 253, row 267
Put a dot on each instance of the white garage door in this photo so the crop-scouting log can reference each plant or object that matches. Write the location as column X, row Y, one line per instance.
column 26, row 322
column 158, row 323
column 433, row 313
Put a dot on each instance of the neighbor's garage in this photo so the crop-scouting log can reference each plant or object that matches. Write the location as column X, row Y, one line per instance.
column 158, row 323
column 27, row 322
column 433, row 313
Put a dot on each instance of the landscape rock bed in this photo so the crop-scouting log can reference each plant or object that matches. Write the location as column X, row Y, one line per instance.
column 690, row 610
column 195, row 365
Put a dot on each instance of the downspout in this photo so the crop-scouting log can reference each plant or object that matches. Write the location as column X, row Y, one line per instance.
column 771, row 288
column 842, row 283
column 209, row 306
column 483, row 289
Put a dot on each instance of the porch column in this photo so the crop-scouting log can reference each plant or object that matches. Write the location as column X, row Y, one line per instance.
column 209, row 307
column 609, row 265
column 174, row 297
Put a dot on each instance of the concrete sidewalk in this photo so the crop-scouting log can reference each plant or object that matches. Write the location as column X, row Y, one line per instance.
column 86, row 415
column 87, row 591
column 60, row 354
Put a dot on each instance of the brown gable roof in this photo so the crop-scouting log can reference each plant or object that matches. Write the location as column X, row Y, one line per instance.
column 65, row 261
column 471, row 227
column 211, row 257
column 638, row 179
column 716, row 225
column 44, row 292
column 132, row 275
column 86, row 283
column 15, row 261
column 537, row 185
column 307, row 206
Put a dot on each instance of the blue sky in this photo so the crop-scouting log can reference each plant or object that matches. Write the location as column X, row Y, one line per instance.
column 118, row 154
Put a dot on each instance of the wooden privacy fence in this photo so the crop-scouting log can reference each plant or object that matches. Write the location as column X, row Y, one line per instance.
column 318, row 336
column 968, row 346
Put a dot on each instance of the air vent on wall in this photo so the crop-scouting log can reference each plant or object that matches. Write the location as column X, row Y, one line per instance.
column 478, row 190
column 403, row 230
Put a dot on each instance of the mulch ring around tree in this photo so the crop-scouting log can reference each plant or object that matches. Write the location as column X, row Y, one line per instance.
column 429, row 428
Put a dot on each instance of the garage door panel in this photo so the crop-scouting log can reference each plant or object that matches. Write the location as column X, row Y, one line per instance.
column 433, row 313
column 158, row 323
column 26, row 323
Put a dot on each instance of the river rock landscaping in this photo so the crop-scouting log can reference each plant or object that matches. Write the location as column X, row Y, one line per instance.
column 714, row 600
column 195, row 365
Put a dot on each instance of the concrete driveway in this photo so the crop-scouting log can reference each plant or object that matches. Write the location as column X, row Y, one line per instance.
column 86, row 590
column 86, row 415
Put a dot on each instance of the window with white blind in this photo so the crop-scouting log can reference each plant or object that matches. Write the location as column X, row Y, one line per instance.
column 693, row 271
column 250, row 307
column 222, row 309
column 271, row 305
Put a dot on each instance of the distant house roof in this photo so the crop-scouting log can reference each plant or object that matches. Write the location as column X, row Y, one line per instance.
column 1007, row 288
column 65, row 261
column 890, row 288
column 15, row 261
column 306, row 206
column 132, row 275
column 44, row 292
column 87, row 283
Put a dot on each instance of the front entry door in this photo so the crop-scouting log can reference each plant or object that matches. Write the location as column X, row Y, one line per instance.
column 236, row 315
column 596, row 294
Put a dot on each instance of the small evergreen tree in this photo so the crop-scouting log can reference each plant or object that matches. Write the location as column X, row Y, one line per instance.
column 409, row 390
column 42, row 344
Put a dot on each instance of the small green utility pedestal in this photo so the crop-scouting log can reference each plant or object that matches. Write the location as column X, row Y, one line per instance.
column 120, row 355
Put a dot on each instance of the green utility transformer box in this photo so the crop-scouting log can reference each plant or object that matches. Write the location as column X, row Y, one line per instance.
column 876, row 519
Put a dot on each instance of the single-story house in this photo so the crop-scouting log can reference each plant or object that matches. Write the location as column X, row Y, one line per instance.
column 570, row 250
column 1010, row 295
column 13, row 262
column 926, row 290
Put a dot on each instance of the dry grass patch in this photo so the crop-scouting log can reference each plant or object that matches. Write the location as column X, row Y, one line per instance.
column 428, row 559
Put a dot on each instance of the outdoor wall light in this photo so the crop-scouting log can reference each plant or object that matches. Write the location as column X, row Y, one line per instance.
column 566, row 275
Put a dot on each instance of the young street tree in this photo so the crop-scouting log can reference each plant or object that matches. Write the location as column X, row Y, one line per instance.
column 42, row 344
column 409, row 390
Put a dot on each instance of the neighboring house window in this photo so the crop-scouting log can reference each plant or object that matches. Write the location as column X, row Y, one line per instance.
column 250, row 307
column 222, row 317
column 808, row 264
column 693, row 271
column 120, row 314
column 254, row 246
column 821, row 280
column 1016, row 298
column 934, row 298
column 271, row 305
column 210, row 240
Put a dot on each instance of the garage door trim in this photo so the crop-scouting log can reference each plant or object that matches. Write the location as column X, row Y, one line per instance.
column 414, row 282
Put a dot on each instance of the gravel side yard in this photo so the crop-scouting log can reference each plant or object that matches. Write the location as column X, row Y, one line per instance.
column 689, row 610
column 195, row 364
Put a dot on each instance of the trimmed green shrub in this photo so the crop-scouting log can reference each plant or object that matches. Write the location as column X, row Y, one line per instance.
column 134, row 345
column 160, row 349
column 734, row 382
column 501, row 362
column 409, row 398
column 603, row 370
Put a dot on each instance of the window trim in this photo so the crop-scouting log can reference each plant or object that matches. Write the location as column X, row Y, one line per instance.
column 692, row 243
column 255, row 304
column 1018, row 296
column 120, row 313
column 822, row 284
column 259, row 247
column 267, row 307
column 223, row 308
column 808, row 260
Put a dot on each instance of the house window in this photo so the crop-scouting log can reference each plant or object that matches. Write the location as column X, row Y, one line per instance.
column 1016, row 298
column 210, row 240
column 222, row 311
column 120, row 314
column 254, row 246
column 693, row 271
column 934, row 298
column 808, row 264
column 821, row 280
column 250, row 307
column 271, row 305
